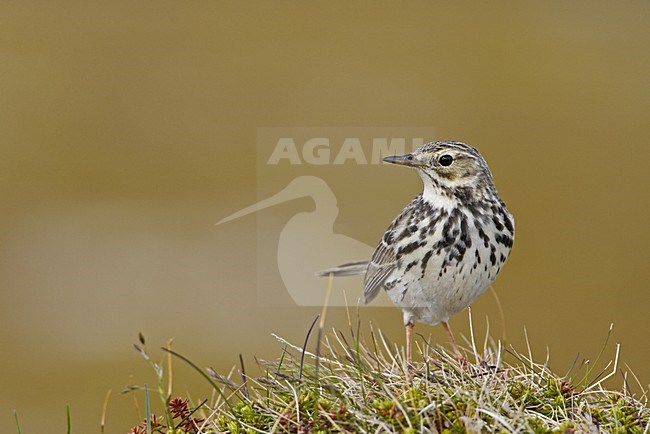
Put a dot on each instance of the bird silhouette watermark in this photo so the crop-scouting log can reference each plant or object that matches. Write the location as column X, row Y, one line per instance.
column 307, row 242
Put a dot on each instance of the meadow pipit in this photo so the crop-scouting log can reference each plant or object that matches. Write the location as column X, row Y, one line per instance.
column 447, row 246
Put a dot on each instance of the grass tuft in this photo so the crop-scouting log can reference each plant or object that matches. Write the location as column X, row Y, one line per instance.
column 356, row 385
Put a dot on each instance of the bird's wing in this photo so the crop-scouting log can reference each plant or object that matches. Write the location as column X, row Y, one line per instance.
column 384, row 260
column 381, row 264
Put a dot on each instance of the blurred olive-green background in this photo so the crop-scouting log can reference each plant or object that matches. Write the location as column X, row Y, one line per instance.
column 127, row 129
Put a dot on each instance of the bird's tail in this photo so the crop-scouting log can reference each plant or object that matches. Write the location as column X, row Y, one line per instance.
column 348, row 269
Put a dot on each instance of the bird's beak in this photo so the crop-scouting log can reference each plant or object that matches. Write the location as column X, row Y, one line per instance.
column 404, row 160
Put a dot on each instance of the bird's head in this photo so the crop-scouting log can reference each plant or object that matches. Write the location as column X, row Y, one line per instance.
column 447, row 165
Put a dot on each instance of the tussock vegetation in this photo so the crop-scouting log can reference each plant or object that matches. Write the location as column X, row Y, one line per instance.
column 362, row 385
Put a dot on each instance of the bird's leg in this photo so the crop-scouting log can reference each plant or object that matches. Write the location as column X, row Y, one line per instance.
column 459, row 355
column 409, row 331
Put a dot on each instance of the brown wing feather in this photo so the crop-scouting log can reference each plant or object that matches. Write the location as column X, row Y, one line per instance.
column 383, row 261
column 380, row 266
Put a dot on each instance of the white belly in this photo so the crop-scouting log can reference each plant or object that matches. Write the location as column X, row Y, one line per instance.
column 436, row 298
column 446, row 286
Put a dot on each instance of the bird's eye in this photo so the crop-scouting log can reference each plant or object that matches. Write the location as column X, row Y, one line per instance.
column 446, row 160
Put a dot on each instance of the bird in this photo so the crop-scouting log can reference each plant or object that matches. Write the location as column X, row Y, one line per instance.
column 448, row 244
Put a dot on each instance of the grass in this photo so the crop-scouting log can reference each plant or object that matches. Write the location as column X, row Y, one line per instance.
column 351, row 383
